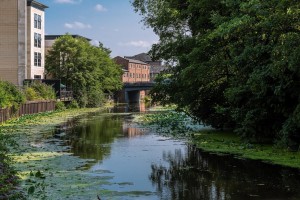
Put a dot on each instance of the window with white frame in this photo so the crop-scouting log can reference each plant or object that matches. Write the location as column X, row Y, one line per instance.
column 37, row 40
column 37, row 59
column 37, row 21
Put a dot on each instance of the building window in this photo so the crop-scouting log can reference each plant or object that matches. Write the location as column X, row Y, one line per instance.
column 37, row 59
column 37, row 40
column 37, row 77
column 37, row 21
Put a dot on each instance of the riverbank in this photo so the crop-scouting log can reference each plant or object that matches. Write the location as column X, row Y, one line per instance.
column 31, row 155
column 229, row 143
column 220, row 142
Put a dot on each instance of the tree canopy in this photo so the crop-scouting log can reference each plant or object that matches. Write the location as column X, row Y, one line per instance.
column 236, row 62
column 85, row 68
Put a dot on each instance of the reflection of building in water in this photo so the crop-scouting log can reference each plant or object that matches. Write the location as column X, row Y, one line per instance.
column 130, row 130
column 142, row 106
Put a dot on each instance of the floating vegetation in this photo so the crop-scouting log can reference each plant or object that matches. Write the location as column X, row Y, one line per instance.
column 170, row 122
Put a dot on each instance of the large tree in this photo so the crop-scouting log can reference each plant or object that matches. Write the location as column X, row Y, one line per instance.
column 87, row 69
column 236, row 62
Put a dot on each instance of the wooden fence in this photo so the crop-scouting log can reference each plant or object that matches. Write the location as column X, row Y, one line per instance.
column 30, row 107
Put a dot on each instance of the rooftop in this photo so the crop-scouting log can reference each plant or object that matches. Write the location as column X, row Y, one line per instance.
column 36, row 4
column 136, row 61
column 142, row 57
column 132, row 60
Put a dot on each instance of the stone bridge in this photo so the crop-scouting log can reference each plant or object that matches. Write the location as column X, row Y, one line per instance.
column 134, row 92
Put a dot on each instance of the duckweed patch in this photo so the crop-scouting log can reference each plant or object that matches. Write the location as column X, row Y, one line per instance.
column 45, row 168
column 226, row 142
column 220, row 142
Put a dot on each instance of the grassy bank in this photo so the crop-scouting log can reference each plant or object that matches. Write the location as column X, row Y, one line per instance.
column 25, row 158
column 179, row 125
column 224, row 142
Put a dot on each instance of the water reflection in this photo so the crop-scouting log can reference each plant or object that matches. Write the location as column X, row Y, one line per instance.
column 133, row 107
column 131, row 129
column 168, row 169
column 91, row 138
column 193, row 174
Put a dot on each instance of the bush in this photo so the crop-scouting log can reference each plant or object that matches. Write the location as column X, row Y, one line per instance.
column 81, row 98
column 31, row 94
column 10, row 95
column 73, row 104
column 39, row 91
column 60, row 105
column 95, row 97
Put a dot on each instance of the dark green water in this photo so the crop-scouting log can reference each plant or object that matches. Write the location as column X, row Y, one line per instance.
column 143, row 165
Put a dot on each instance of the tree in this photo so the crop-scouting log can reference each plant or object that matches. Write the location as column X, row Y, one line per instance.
column 234, row 63
column 87, row 69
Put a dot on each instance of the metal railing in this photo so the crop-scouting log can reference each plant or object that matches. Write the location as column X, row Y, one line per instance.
column 66, row 95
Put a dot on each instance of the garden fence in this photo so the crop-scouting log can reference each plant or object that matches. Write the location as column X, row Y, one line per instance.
column 30, row 107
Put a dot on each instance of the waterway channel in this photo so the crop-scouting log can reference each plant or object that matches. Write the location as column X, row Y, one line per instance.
column 138, row 163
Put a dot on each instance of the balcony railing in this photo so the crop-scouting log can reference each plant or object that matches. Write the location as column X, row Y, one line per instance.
column 66, row 95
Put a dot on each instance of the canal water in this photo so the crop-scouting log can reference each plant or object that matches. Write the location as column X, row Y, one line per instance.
column 144, row 165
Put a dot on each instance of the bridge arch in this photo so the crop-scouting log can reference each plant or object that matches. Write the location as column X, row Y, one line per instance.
column 133, row 92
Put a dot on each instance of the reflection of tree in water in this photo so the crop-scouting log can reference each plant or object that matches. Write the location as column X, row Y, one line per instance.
column 91, row 139
column 197, row 175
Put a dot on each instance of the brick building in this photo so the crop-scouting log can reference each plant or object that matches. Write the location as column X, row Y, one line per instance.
column 134, row 70
column 156, row 66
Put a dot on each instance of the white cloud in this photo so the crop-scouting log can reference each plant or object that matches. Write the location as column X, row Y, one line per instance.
column 77, row 25
column 100, row 8
column 139, row 43
column 68, row 1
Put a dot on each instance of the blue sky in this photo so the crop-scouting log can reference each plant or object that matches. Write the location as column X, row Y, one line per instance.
column 113, row 22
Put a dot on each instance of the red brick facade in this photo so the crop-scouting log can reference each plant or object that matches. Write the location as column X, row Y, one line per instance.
column 134, row 70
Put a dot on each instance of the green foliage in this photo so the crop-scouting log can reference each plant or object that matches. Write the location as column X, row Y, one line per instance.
column 95, row 98
column 60, row 105
column 172, row 123
column 39, row 91
column 73, row 104
column 37, row 188
column 235, row 63
column 44, row 91
column 8, row 178
column 84, row 68
column 10, row 96
column 31, row 94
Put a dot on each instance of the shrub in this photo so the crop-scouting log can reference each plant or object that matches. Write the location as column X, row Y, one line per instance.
column 43, row 91
column 81, row 98
column 60, row 105
column 10, row 95
column 73, row 104
column 31, row 94
column 95, row 97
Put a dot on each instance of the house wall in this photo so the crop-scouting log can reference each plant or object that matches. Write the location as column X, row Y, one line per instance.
column 35, row 70
column 13, row 41
column 134, row 71
column 48, row 45
column 137, row 72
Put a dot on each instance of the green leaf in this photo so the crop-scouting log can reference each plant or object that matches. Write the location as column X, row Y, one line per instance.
column 31, row 190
